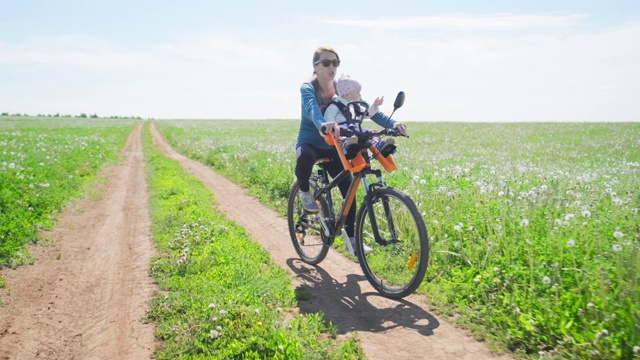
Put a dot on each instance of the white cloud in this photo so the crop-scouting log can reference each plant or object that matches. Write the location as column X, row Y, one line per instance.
column 461, row 22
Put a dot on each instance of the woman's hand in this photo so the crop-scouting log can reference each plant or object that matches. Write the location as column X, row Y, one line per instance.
column 330, row 127
column 402, row 128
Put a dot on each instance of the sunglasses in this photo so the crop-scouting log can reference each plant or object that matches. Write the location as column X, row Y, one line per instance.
column 327, row 62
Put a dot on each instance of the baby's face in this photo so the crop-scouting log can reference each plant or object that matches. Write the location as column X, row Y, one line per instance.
column 354, row 95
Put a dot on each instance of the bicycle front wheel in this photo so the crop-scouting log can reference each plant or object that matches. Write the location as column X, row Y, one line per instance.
column 389, row 223
column 305, row 229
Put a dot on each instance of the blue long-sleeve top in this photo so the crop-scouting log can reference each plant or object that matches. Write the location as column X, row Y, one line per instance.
column 312, row 119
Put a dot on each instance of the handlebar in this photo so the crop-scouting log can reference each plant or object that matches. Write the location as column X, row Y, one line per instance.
column 366, row 134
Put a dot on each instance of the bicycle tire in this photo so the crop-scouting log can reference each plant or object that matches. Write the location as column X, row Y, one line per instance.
column 305, row 229
column 395, row 269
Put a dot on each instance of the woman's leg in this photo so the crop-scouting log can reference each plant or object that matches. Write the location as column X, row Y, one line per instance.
column 334, row 168
column 307, row 156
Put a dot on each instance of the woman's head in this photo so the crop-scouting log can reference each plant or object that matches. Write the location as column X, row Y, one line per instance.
column 325, row 62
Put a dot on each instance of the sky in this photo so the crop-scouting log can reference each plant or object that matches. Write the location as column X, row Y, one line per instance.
column 467, row 60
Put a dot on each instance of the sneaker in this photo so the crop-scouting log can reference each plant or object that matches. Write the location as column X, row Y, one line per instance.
column 350, row 147
column 350, row 243
column 352, row 140
column 386, row 148
column 308, row 202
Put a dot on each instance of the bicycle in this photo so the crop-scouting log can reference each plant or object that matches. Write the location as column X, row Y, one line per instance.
column 388, row 220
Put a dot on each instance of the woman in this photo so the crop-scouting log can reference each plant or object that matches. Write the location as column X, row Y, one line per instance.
column 311, row 146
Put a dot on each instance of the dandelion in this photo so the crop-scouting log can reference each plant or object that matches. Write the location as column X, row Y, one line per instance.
column 546, row 280
column 636, row 349
column 212, row 305
column 501, row 193
column 618, row 234
column 590, row 305
column 214, row 334
column 569, row 216
column 586, row 213
column 634, row 211
column 478, row 278
column 280, row 348
column 571, row 243
column 423, row 181
column 616, row 247
column 457, row 228
column 524, row 222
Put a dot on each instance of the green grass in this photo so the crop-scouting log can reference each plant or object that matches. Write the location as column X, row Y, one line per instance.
column 222, row 297
column 534, row 227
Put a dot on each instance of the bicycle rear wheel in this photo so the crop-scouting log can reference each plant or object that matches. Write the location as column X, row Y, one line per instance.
column 398, row 263
column 305, row 229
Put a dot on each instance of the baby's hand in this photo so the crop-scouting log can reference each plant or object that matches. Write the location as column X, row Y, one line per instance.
column 378, row 101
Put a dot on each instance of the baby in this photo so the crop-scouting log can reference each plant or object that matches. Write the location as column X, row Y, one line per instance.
column 349, row 90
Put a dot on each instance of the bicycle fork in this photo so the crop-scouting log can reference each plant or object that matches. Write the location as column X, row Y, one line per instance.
column 370, row 200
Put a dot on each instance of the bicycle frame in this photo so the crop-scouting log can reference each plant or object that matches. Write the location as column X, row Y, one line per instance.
column 360, row 167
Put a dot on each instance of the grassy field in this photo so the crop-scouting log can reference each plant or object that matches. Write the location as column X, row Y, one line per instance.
column 535, row 228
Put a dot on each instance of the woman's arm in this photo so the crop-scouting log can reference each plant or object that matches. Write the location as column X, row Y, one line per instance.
column 310, row 105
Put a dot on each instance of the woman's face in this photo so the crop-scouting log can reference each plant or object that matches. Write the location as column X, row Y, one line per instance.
column 326, row 73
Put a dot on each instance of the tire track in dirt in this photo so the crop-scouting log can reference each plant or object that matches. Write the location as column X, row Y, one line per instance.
column 387, row 329
column 88, row 292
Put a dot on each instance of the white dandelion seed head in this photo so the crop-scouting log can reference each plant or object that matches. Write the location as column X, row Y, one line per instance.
column 457, row 228
column 546, row 280
column 618, row 234
column 636, row 349
column 423, row 181
column 524, row 222
column 590, row 305
column 571, row 243
column 616, row 247
column 586, row 213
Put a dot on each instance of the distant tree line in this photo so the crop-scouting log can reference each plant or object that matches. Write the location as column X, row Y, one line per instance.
column 83, row 115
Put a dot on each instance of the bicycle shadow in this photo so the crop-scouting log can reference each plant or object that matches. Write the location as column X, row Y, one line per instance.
column 344, row 304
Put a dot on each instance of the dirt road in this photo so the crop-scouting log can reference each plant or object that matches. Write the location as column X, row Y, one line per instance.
column 86, row 295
